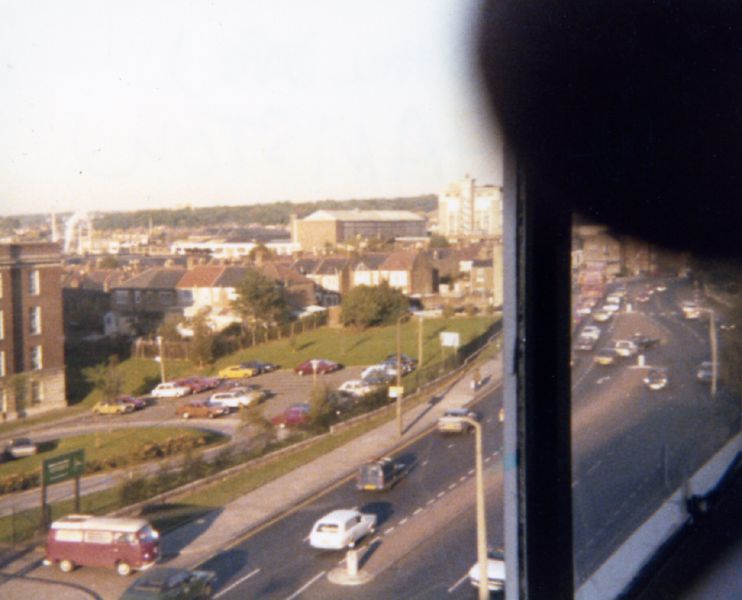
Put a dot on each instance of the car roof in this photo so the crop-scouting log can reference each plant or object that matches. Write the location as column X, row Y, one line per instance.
column 158, row 577
column 340, row 515
column 460, row 410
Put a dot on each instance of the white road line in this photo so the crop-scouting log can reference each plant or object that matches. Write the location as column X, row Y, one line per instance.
column 450, row 445
column 462, row 478
column 575, row 482
column 403, row 521
column 489, row 420
column 341, row 561
column 417, row 511
column 458, row 583
column 453, row 485
column 236, row 583
column 470, row 472
column 429, row 502
column 306, row 539
column 388, row 531
column 595, row 466
column 440, row 494
column 489, row 458
column 425, row 462
column 495, row 453
column 306, row 585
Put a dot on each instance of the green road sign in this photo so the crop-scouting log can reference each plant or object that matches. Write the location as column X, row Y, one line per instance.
column 64, row 466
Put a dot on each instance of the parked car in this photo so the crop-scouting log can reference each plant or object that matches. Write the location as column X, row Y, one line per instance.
column 113, row 407
column 137, row 403
column 237, row 371
column 705, row 372
column 261, row 367
column 200, row 409
column 380, row 474
column 380, row 371
column 606, row 356
column 358, row 387
column 196, row 383
column 495, row 572
column 20, row 447
column 170, row 389
column 591, row 331
column 165, row 583
column 236, row 398
column 377, row 377
column 656, row 379
column 123, row 543
column 452, row 422
column 341, row 529
column 322, row 365
column 625, row 348
column 294, row 415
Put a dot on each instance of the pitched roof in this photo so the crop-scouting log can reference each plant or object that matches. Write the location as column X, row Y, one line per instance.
column 363, row 215
column 231, row 277
column 331, row 265
column 157, row 278
column 201, row 276
column 398, row 261
column 284, row 273
column 370, row 261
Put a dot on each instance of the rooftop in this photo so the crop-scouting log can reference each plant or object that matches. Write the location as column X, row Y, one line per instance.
column 363, row 215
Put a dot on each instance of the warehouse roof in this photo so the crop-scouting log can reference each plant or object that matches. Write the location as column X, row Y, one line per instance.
column 363, row 215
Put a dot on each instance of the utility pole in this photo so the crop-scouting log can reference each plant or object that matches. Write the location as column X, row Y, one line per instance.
column 162, row 359
column 399, row 375
column 420, row 343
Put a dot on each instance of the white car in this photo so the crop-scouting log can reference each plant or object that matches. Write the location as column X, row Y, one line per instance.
column 378, row 371
column 170, row 389
column 591, row 331
column 452, row 420
column 625, row 348
column 341, row 529
column 357, row 388
column 236, row 398
column 495, row 572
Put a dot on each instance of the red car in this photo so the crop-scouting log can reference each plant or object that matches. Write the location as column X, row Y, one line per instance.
column 322, row 365
column 294, row 415
column 137, row 403
column 197, row 384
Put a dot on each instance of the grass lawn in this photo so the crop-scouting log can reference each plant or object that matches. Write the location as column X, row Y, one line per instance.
column 362, row 347
column 105, row 446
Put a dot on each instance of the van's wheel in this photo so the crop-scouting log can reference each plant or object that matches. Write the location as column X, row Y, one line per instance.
column 123, row 569
column 66, row 566
column 352, row 544
column 186, row 416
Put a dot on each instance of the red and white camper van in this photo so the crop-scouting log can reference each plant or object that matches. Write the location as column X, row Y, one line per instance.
column 124, row 543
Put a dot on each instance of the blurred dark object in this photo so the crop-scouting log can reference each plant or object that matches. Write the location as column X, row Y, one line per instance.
column 630, row 112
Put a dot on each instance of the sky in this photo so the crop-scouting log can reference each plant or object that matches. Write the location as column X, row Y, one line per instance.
column 163, row 104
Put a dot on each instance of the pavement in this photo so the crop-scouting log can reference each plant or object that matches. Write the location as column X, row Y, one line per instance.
column 195, row 542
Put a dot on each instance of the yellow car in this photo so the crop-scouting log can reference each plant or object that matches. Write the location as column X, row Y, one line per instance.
column 237, row 372
column 115, row 407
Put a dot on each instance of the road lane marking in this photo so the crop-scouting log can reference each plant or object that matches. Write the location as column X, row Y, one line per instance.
column 236, row 583
column 388, row 531
column 470, row 472
column 591, row 470
column 575, row 482
column 429, row 502
column 425, row 462
column 306, row 585
column 458, row 583
column 489, row 458
column 489, row 420
column 403, row 521
column 417, row 511
column 306, row 539
column 440, row 494
column 453, row 485
column 450, row 445
column 462, row 478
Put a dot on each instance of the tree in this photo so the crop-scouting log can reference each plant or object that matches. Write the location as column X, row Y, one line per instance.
column 366, row 306
column 320, row 408
column 106, row 378
column 438, row 241
column 108, row 262
column 202, row 343
column 260, row 301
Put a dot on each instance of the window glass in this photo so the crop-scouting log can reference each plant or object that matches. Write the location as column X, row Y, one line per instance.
column 34, row 320
column 36, row 357
column 98, row 537
column 34, row 285
column 37, row 392
column 656, row 344
column 68, row 535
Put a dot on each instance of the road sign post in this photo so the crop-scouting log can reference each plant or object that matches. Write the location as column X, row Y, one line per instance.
column 57, row 469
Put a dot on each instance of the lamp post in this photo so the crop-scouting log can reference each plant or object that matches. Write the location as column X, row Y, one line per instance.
column 420, row 342
column 314, row 362
column 481, row 517
column 399, row 373
column 162, row 359
column 714, row 358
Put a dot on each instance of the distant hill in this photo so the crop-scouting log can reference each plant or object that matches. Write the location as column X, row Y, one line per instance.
column 275, row 213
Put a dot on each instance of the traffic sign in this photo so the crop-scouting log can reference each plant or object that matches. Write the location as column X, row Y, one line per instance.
column 64, row 466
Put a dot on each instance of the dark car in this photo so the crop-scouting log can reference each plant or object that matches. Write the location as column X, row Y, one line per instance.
column 322, row 365
column 171, row 583
column 137, row 403
column 656, row 379
column 380, row 474
column 584, row 344
column 260, row 366
column 294, row 415
column 643, row 341
column 407, row 360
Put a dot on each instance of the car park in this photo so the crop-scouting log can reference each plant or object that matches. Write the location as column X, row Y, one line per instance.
column 170, row 389
column 357, row 388
column 453, row 421
column 591, row 331
column 20, row 447
column 656, row 378
column 112, row 407
column 606, row 356
column 171, row 583
column 380, row 474
column 201, row 409
column 237, row 371
column 319, row 366
column 625, row 348
column 199, row 384
column 495, row 572
column 236, row 398
column 293, row 416
column 341, row 529
column 705, row 372
column 83, row 540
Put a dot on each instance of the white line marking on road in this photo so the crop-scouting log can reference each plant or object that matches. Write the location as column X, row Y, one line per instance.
column 575, row 482
column 462, row 478
column 470, row 472
column 429, row 502
column 495, row 453
column 388, row 531
column 306, row 539
column 450, row 445
column 341, row 561
column 440, row 494
column 403, row 521
column 458, row 583
column 489, row 458
column 595, row 466
column 306, row 585
column 236, row 583
column 489, row 420
column 417, row 511
column 376, row 539
column 425, row 462
column 453, row 485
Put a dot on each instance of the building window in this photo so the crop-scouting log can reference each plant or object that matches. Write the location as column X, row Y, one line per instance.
column 34, row 320
column 149, row 298
column 122, row 297
column 37, row 392
column 36, row 358
column 34, row 283
column 2, row 325
column 2, row 363
column 166, row 298
column 137, row 297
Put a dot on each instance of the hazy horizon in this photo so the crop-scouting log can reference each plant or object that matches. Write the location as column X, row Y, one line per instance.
column 120, row 107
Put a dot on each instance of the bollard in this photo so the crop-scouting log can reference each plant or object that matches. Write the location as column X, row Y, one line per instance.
column 640, row 360
column 351, row 560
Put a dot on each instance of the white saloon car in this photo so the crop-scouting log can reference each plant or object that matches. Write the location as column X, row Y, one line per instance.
column 591, row 331
column 236, row 398
column 357, row 388
column 341, row 529
column 495, row 572
column 626, row 348
column 170, row 389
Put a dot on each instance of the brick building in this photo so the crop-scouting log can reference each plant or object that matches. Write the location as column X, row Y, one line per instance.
column 31, row 332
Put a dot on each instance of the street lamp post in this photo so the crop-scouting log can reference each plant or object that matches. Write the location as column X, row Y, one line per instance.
column 162, row 359
column 714, row 358
column 481, row 517
column 399, row 374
